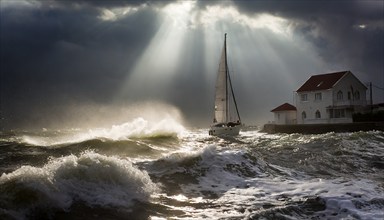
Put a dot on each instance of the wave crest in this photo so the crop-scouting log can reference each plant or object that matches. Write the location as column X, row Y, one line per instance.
column 90, row 178
column 141, row 128
column 138, row 128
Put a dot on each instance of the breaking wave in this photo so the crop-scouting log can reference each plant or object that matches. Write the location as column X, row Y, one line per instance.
column 139, row 128
column 91, row 178
column 144, row 175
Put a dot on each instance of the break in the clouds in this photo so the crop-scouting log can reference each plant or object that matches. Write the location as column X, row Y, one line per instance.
column 62, row 60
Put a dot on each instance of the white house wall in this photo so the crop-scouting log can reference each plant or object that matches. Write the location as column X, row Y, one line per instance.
column 280, row 118
column 291, row 117
column 329, row 98
column 346, row 84
column 285, row 117
column 311, row 106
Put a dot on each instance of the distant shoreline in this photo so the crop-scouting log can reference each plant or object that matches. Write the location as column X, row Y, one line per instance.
column 323, row 128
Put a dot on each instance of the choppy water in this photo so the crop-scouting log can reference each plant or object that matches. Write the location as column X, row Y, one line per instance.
column 143, row 170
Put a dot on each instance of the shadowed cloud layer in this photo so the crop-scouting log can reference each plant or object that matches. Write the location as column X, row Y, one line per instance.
column 62, row 60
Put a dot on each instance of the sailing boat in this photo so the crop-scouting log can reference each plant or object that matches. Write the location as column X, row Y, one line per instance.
column 225, row 121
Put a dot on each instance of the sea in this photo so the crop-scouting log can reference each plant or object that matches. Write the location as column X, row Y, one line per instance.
column 143, row 169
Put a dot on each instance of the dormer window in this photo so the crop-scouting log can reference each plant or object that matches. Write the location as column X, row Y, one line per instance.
column 304, row 97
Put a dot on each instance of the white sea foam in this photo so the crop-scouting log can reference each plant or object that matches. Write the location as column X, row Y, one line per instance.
column 245, row 196
column 250, row 176
column 339, row 197
column 90, row 178
column 138, row 128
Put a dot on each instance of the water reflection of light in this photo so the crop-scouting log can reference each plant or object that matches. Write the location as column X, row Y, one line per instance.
column 180, row 198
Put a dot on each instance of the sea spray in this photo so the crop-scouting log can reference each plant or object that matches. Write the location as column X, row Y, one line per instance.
column 91, row 178
column 251, row 176
column 137, row 128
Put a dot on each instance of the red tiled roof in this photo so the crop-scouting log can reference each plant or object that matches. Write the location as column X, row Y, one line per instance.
column 322, row 81
column 284, row 107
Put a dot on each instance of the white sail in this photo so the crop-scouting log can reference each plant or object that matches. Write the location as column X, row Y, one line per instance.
column 221, row 95
column 223, row 122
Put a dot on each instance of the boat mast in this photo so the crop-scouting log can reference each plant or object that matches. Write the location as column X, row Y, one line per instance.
column 228, row 76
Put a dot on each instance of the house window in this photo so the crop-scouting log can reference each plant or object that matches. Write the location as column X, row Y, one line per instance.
column 357, row 95
column 304, row 97
column 339, row 95
column 318, row 96
column 303, row 115
column 349, row 95
column 339, row 113
column 317, row 114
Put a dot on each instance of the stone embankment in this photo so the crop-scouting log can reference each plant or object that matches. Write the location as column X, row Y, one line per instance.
column 323, row 128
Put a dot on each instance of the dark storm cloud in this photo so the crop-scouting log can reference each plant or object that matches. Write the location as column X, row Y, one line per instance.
column 107, row 4
column 60, row 54
column 343, row 31
column 54, row 55
column 103, row 3
column 346, row 34
column 314, row 10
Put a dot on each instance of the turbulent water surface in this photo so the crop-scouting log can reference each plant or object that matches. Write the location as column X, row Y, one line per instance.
column 142, row 170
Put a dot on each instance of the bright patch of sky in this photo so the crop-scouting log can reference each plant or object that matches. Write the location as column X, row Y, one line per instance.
column 183, row 14
column 214, row 14
column 117, row 13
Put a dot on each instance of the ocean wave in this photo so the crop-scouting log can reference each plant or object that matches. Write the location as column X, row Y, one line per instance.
column 325, row 155
column 211, row 169
column 278, row 198
column 139, row 128
column 252, row 176
column 91, row 178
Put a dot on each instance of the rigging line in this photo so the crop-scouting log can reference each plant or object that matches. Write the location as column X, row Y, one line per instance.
column 377, row 87
column 226, row 75
column 229, row 79
column 233, row 96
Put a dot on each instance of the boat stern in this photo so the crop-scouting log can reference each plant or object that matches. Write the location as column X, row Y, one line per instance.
column 224, row 129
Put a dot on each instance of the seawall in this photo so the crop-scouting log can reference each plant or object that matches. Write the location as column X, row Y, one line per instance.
column 323, row 128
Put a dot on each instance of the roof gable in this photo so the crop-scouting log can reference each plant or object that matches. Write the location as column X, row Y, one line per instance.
column 322, row 81
column 284, row 107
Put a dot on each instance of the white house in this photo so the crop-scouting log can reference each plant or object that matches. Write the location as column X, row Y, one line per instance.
column 330, row 98
column 285, row 114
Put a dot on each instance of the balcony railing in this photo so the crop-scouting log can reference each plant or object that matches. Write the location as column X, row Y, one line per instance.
column 349, row 102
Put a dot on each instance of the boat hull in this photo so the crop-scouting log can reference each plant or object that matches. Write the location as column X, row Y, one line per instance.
column 224, row 130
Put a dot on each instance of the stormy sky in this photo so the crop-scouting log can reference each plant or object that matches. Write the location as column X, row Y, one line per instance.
column 83, row 62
